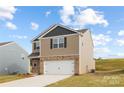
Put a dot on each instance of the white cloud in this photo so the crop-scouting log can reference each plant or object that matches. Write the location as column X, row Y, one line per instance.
column 47, row 13
column 11, row 26
column 66, row 13
column 7, row 12
column 90, row 16
column 121, row 33
column 19, row 36
column 80, row 17
column 102, row 50
column 120, row 42
column 34, row 26
column 101, row 39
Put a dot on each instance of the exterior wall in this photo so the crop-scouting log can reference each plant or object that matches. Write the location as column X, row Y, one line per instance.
column 86, row 53
column 72, row 47
column 73, row 57
column 32, row 47
column 11, row 59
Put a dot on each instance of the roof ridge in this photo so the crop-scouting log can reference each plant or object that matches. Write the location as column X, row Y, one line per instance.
column 4, row 43
column 52, row 26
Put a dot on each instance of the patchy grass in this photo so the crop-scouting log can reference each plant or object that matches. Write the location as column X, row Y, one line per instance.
column 7, row 78
column 92, row 80
column 110, row 73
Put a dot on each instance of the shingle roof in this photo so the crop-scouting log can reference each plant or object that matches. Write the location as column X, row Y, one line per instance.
column 59, row 31
column 62, row 27
column 82, row 30
column 34, row 54
column 4, row 43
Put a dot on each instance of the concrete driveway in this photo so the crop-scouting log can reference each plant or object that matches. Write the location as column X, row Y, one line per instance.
column 37, row 81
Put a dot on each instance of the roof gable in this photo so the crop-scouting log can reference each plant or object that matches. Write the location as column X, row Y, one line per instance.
column 56, row 30
column 59, row 31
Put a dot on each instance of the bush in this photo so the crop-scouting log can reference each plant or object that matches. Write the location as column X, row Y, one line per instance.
column 92, row 71
column 25, row 75
column 13, row 73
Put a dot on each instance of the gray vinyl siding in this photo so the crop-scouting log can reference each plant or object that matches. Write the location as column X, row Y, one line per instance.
column 59, row 31
column 11, row 58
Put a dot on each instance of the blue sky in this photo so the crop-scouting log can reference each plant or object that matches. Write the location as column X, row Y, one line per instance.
column 21, row 24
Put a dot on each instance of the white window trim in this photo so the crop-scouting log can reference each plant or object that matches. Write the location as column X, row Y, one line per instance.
column 37, row 44
column 58, row 42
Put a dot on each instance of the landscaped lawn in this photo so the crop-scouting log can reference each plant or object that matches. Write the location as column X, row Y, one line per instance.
column 110, row 72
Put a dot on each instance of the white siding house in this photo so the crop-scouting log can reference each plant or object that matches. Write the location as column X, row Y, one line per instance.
column 13, row 59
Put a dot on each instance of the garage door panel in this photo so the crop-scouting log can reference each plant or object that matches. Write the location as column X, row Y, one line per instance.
column 59, row 67
column 50, row 67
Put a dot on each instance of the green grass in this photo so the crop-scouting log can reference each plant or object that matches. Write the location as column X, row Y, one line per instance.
column 92, row 80
column 7, row 78
column 110, row 73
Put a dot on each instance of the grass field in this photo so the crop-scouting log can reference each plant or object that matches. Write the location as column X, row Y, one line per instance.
column 109, row 64
column 109, row 72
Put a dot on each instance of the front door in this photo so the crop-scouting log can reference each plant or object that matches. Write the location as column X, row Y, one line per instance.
column 35, row 66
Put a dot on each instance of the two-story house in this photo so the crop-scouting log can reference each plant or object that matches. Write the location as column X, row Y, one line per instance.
column 62, row 50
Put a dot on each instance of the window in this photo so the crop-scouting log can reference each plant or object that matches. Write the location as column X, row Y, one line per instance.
column 36, row 45
column 58, row 42
column 55, row 43
column 61, row 42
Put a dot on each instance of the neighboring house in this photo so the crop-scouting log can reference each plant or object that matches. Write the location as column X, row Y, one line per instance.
column 13, row 59
column 61, row 50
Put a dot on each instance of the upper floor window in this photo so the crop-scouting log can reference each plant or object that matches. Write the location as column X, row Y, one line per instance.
column 61, row 42
column 58, row 42
column 36, row 45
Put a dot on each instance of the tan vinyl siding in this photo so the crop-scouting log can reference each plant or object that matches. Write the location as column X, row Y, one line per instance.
column 86, row 53
column 72, row 47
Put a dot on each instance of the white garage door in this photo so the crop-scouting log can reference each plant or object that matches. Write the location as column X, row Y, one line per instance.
column 59, row 67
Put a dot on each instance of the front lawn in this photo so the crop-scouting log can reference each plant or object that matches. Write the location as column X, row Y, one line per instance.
column 7, row 78
column 93, row 80
column 109, row 73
